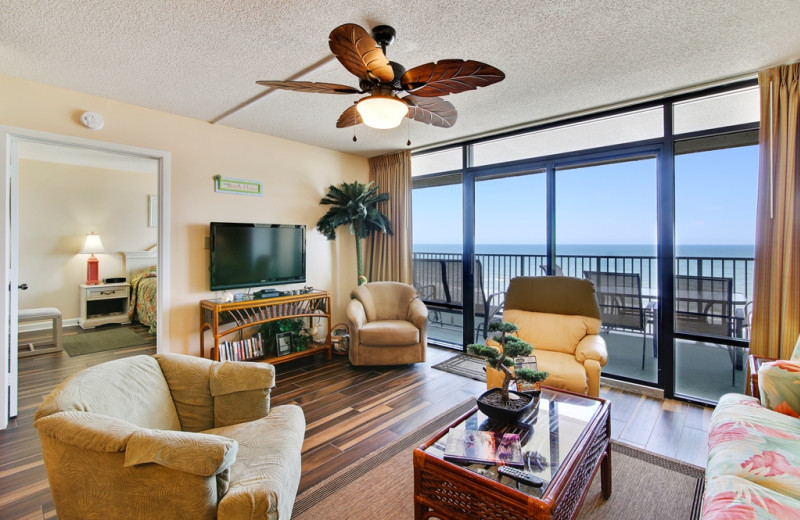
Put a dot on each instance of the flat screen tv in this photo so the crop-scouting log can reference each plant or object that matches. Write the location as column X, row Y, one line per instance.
column 255, row 255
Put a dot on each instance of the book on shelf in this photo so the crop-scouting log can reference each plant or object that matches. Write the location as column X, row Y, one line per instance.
column 242, row 350
column 482, row 447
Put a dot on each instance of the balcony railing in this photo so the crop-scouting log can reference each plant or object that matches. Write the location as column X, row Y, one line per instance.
column 499, row 269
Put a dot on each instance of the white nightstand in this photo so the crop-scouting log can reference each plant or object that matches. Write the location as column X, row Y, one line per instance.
column 104, row 303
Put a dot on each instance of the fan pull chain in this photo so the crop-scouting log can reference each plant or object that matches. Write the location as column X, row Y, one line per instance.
column 408, row 129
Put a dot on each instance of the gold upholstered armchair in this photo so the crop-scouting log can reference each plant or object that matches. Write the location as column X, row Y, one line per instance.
column 389, row 324
column 560, row 317
column 170, row 436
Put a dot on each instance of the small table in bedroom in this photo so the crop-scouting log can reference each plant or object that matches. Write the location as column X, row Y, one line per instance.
column 104, row 303
column 573, row 434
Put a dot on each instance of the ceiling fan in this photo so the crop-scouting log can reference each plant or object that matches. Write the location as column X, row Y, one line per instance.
column 365, row 56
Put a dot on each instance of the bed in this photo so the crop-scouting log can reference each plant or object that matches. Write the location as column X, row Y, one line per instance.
column 142, row 305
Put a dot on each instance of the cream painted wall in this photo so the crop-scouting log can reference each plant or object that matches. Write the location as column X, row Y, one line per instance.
column 295, row 177
column 58, row 205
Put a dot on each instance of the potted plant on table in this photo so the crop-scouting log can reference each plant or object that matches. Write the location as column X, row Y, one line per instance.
column 296, row 326
column 503, row 404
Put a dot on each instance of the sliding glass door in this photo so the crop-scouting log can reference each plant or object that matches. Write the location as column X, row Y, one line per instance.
column 606, row 227
column 438, row 245
column 715, row 206
column 510, row 239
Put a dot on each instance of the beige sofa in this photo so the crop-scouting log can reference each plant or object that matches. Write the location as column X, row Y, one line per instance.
column 169, row 437
column 389, row 324
column 560, row 317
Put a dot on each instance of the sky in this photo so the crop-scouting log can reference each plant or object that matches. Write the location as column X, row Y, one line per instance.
column 715, row 203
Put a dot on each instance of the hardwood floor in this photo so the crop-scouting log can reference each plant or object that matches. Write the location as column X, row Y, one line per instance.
column 349, row 411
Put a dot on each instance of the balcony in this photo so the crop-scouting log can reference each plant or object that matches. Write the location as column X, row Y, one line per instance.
column 704, row 370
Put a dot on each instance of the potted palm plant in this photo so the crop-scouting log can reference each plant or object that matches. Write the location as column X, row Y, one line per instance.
column 503, row 404
column 355, row 205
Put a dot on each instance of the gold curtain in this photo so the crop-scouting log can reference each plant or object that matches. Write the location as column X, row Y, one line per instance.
column 390, row 255
column 776, row 295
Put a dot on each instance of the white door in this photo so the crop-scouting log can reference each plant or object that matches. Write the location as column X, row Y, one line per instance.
column 8, row 304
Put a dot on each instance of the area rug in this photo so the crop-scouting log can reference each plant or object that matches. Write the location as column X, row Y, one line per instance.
column 644, row 485
column 305, row 506
column 111, row 339
column 465, row 365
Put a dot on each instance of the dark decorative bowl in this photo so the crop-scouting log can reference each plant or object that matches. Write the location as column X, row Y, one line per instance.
column 490, row 404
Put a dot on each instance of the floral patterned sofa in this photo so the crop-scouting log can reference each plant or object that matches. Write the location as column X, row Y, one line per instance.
column 753, row 468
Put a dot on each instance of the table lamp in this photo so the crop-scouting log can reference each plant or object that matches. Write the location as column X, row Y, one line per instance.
column 92, row 245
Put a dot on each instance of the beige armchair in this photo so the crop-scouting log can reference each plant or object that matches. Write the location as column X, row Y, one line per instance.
column 560, row 317
column 168, row 437
column 389, row 324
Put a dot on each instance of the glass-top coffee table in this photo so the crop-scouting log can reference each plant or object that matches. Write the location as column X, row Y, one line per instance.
column 565, row 440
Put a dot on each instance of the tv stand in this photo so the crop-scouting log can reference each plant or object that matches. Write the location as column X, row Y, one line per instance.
column 249, row 313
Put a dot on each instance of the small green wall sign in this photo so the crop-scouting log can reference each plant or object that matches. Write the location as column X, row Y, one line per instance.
column 237, row 186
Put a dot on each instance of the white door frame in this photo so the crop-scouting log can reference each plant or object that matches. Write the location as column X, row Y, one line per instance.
column 10, row 137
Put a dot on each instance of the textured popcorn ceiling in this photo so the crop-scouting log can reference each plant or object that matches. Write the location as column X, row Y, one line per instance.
column 200, row 59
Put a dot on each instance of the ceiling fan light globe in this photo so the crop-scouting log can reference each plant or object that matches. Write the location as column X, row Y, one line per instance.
column 382, row 112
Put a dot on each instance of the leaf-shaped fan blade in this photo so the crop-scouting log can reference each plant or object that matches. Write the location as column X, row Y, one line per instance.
column 311, row 86
column 431, row 111
column 449, row 77
column 349, row 117
column 360, row 54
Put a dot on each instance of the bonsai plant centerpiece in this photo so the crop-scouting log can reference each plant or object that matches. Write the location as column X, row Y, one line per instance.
column 354, row 204
column 502, row 404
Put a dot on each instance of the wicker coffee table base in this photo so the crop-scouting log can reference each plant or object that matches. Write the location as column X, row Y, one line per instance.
column 446, row 491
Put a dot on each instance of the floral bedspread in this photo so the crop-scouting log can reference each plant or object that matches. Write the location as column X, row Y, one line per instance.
column 142, row 306
column 753, row 469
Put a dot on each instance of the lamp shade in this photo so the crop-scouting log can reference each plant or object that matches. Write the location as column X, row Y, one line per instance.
column 381, row 111
column 92, row 245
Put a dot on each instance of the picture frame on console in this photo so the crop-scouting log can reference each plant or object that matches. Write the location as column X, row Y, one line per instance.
column 283, row 342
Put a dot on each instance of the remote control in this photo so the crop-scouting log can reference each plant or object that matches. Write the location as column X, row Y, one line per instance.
column 525, row 477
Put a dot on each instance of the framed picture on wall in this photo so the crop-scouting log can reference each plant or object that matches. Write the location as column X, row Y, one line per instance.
column 152, row 204
column 284, row 343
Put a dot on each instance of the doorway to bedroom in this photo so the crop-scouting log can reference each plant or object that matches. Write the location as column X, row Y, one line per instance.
column 66, row 194
column 153, row 211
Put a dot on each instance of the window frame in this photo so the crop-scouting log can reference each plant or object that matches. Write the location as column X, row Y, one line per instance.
column 664, row 150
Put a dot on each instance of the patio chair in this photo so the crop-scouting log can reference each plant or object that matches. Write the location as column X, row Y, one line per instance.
column 557, row 271
column 485, row 308
column 704, row 305
column 428, row 279
column 620, row 299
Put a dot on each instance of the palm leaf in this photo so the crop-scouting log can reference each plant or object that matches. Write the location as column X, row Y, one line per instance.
column 359, row 53
column 449, row 77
